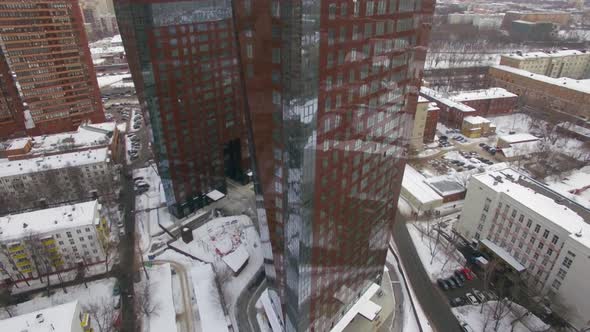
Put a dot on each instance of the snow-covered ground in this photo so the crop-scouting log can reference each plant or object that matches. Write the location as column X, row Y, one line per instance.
column 160, row 292
column 446, row 258
column 410, row 322
column 484, row 322
column 55, row 279
column 97, row 291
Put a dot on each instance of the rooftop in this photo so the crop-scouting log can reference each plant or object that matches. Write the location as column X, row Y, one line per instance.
column 517, row 138
column 87, row 135
column 58, row 161
column 490, row 93
column 445, row 185
column 14, row 227
column 208, row 299
column 435, row 96
column 58, row 318
column 574, row 128
column 475, row 120
column 541, row 54
column 577, row 85
column 414, row 183
column 537, row 202
column 236, row 259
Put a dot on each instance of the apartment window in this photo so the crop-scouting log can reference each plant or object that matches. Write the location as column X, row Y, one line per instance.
column 61, row 243
column 69, row 234
column 537, row 228
column 276, row 55
column 276, row 8
column 545, row 234
column 532, row 240
column 57, row 236
column 87, row 229
column 330, row 60
column 81, row 238
column 513, row 213
column 556, row 284
column 78, row 231
column 529, row 223
column 381, row 7
column 276, row 98
column 561, row 274
column 356, row 8
column 549, row 251
column 521, row 218
column 567, row 262
column 343, row 9
column 332, row 11
column 249, row 51
column 331, row 36
column 368, row 30
column 486, row 205
column 535, row 256
column 541, row 245
column 89, row 237
column 369, row 10
column 555, row 239
column 482, row 218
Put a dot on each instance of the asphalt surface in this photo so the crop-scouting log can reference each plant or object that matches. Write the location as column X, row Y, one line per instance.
column 245, row 310
column 398, row 320
column 432, row 300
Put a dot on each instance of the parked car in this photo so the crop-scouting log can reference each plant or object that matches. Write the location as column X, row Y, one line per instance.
column 120, row 224
column 457, row 281
column 465, row 327
column 135, row 179
column 443, row 138
column 468, row 273
column 441, row 283
column 491, row 295
column 451, row 283
column 459, row 274
column 116, row 290
column 121, row 232
column 471, row 298
column 456, row 302
column 479, row 295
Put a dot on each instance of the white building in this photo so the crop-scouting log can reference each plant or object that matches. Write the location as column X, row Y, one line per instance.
column 538, row 236
column 417, row 192
column 66, row 317
column 560, row 63
column 62, row 238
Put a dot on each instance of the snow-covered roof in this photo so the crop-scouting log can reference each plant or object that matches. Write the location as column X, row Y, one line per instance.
column 414, row 183
column 491, row 93
column 517, row 138
column 540, row 55
column 422, row 99
column 208, row 299
column 107, row 50
column 521, row 149
column 57, row 318
column 107, row 80
column 503, row 255
column 433, row 107
column 215, row 195
column 14, row 144
column 354, row 310
column 568, row 126
column 87, row 135
column 116, row 39
column 433, row 95
column 538, row 203
column 58, row 161
column 475, row 120
column 369, row 310
column 14, row 227
column 572, row 84
column 445, row 185
column 236, row 259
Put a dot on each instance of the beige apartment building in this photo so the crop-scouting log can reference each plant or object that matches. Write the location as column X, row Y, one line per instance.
column 563, row 63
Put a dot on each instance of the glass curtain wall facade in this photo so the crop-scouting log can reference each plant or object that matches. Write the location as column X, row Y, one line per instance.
column 332, row 88
column 183, row 60
column 49, row 83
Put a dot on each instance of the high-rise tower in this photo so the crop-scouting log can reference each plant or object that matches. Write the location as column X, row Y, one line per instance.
column 47, row 76
column 332, row 87
column 183, row 60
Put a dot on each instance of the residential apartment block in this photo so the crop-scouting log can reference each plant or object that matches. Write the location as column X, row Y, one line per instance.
column 425, row 120
column 183, row 60
column 47, row 76
column 558, row 63
column 67, row 317
column 557, row 96
column 52, row 240
column 54, row 179
column 332, row 91
column 535, row 233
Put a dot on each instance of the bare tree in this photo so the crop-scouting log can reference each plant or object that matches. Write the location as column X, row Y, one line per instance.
column 44, row 258
column 144, row 301
column 103, row 313
column 19, row 275
column 488, row 273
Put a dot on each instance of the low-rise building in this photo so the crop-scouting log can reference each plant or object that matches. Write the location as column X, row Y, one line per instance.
column 417, row 192
column 451, row 113
column 539, row 31
column 487, row 102
column 560, row 96
column 556, row 63
column 67, row 317
column 507, row 140
column 48, row 241
column 535, row 235
column 431, row 122
column 447, row 187
column 41, row 171
column 557, row 17
column 477, row 126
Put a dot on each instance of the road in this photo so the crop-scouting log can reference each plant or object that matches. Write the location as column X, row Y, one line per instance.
column 432, row 301
column 188, row 315
column 398, row 321
column 245, row 310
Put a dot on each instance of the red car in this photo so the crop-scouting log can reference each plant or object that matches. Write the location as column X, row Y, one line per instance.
column 467, row 273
